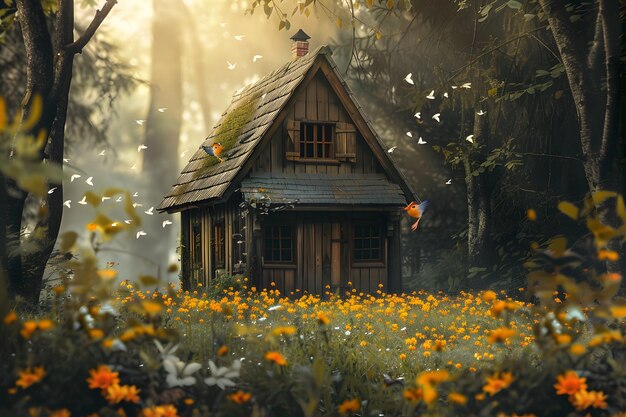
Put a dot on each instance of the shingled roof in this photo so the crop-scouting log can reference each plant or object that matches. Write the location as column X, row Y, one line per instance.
column 242, row 126
column 322, row 189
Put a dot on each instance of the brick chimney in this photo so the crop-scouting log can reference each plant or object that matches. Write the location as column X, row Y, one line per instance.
column 300, row 46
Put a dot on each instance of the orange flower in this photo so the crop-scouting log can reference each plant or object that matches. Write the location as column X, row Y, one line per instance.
column 432, row 377
column 240, row 397
column 166, row 410
column 440, row 345
column 489, row 296
column 30, row 376
column 284, row 331
column 276, row 357
column 28, row 328
column 413, row 394
column 322, row 318
column 500, row 335
column 64, row 412
column 457, row 398
column 222, row 350
column 584, row 399
column 10, row 318
column 102, row 378
column 116, row 393
column 569, row 383
column 497, row 382
column 349, row 406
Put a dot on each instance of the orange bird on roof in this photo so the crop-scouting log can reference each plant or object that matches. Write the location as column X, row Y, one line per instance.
column 416, row 211
column 214, row 150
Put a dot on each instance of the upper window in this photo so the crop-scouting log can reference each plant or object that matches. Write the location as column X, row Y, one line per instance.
column 316, row 140
column 278, row 243
column 367, row 242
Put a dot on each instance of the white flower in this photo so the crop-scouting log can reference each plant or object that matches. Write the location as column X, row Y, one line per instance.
column 179, row 372
column 167, row 351
column 222, row 376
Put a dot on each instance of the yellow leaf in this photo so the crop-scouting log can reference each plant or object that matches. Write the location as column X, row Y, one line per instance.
column 600, row 196
column 568, row 209
column 601, row 231
column 35, row 184
column 68, row 239
column 378, row 34
column 558, row 245
column 492, row 91
column 93, row 198
column 621, row 209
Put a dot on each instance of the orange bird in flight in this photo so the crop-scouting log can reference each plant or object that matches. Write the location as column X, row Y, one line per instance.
column 214, row 150
column 416, row 211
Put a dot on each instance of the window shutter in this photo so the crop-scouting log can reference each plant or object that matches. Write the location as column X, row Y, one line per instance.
column 293, row 140
column 346, row 142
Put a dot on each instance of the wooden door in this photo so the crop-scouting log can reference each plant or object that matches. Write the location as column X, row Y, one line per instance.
column 321, row 257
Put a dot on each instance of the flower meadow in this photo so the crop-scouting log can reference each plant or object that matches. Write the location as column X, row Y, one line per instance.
column 553, row 348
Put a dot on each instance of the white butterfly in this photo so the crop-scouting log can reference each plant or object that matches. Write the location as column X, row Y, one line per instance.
column 141, row 233
column 150, row 211
column 470, row 138
column 393, row 148
column 431, row 96
column 134, row 166
column 445, row 95
column 454, row 87
column 466, row 85
column 104, row 198
column 136, row 194
column 421, row 141
column 51, row 190
column 409, row 78
column 256, row 57
column 73, row 177
column 119, row 199
column 418, row 115
column 128, row 221
column 436, row 117
column 481, row 112
column 141, row 148
column 89, row 181
column 162, row 109
column 135, row 205
column 140, row 122
column 102, row 153
column 67, row 203
column 409, row 134
column 83, row 201
column 449, row 181
column 66, row 160
column 165, row 223
column 239, row 37
column 231, row 66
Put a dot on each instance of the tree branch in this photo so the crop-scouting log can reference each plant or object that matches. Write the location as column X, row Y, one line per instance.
column 77, row 46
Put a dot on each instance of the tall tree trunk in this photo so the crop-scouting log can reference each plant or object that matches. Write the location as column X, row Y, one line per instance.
column 479, row 193
column 48, row 77
column 595, row 85
column 160, row 159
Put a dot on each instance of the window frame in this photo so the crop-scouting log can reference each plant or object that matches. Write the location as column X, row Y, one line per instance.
column 379, row 262
column 219, row 244
column 303, row 142
column 265, row 238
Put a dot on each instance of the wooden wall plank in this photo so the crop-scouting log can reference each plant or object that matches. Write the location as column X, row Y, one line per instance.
column 322, row 98
column 311, row 100
column 326, row 255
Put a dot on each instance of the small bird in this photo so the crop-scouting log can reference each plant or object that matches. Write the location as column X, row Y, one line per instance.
column 421, row 141
column 141, row 148
column 119, row 199
column 416, row 211
column 162, row 109
column 431, row 96
column 409, row 134
column 150, row 211
column 418, row 115
column 128, row 221
column 83, row 201
column 256, row 58
column 165, row 223
column 390, row 150
column 66, row 160
column 436, row 117
column 466, row 85
column 214, row 150
column 89, row 181
column 449, row 181
column 409, row 78
column 140, row 122
column 141, row 233
column 231, row 65
column 105, row 198
column 67, row 203
column 51, row 190
column 102, row 153
column 470, row 138
column 136, row 194
column 481, row 112
column 73, row 177
column 445, row 95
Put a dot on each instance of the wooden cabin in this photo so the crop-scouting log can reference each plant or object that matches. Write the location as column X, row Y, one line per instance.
column 306, row 196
